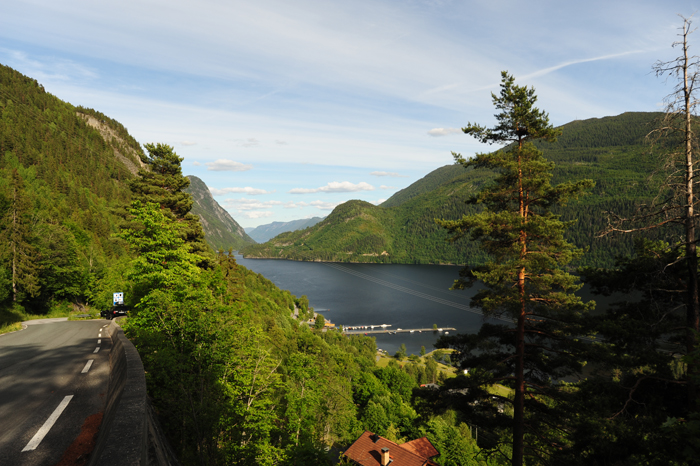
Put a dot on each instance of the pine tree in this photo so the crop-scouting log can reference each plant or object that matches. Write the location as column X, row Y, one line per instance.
column 524, row 278
column 16, row 233
column 164, row 184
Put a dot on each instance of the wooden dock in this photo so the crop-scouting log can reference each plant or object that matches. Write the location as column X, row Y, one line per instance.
column 398, row 330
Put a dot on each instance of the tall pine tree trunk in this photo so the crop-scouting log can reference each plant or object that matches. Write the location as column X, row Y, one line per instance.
column 519, row 399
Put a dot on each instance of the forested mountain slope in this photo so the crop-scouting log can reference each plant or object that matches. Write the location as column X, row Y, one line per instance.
column 220, row 229
column 611, row 151
column 61, row 191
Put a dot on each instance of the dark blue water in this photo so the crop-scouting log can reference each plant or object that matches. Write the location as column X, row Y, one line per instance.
column 405, row 296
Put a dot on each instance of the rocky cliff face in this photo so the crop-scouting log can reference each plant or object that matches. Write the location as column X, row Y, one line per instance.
column 220, row 229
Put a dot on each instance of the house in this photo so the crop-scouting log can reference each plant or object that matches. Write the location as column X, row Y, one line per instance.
column 374, row 450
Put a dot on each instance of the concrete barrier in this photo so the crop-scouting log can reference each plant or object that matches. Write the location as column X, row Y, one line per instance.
column 130, row 434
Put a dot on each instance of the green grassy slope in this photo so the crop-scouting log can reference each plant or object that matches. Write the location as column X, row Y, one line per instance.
column 611, row 151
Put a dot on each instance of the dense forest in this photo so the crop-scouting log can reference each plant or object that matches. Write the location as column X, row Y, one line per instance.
column 62, row 195
column 611, row 151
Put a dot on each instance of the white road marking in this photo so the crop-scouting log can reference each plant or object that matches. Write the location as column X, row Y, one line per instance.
column 99, row 342
column 39, row 436
column 96, row 350
column 87, row 366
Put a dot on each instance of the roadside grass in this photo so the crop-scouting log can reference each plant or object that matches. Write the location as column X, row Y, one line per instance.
column 10, row 328
column 11, row 315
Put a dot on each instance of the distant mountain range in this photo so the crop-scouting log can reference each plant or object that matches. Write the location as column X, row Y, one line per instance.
column 220, row 229
column 611, row 151
column 266, row 232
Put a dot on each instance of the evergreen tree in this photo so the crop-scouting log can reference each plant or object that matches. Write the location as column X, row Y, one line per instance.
column 636, row 382
column 164, row 184
column 16, row 233
column 524, row 278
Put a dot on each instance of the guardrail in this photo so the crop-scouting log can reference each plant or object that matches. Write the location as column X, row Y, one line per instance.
column 130, row 433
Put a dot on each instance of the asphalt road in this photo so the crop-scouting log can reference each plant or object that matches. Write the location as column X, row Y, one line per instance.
column 43, row 378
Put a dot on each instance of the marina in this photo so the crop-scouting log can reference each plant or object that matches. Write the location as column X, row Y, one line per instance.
column 367, row 331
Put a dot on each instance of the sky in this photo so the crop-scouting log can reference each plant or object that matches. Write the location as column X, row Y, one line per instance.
column 286, row 109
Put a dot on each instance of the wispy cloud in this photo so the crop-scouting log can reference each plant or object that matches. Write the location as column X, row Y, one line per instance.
column 257, row 214
column 251, row 142
column 321, row 205
column 188, row 143
column 247, row 190
column 437, row 132
column 280, row 142
column 335, row 187
column 196, row 164
column 551, row 69
column 391, row 174
column 387, row 187
column 225, row 165
column 244, row 204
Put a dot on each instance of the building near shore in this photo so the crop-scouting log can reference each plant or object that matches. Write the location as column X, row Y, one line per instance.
column 374, row 450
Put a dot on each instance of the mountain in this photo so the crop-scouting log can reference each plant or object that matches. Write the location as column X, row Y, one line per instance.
column 63, row 179
column 220, row 229
column 611, row 151
column 266, row 232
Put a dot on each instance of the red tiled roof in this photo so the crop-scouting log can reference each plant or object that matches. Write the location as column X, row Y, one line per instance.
column 366, row 452
column 421, row 447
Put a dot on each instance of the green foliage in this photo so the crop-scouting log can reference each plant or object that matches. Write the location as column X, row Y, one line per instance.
column 73, row 187
column 320, row 322
column 20, row 256
column 454, row 441
column 164, row 184
column 634, row 384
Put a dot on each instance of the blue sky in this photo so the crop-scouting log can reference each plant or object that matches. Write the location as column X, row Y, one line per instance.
column 287, row 108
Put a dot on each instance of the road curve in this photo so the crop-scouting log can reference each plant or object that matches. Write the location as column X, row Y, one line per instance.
column 48, row 389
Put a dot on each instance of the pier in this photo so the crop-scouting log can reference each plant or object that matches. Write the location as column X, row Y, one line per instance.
column 356, row 331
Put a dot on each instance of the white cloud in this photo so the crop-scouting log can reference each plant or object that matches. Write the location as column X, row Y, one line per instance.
column 387, row 187
column 336, row 187
column 188, row 143
column 257, row 214
column 224, row 165
column 280, row 142
column 437, row 132
column 244, row 204
column 247, row 190
column 391, row 174
column 196, row 164
column 378, row 201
